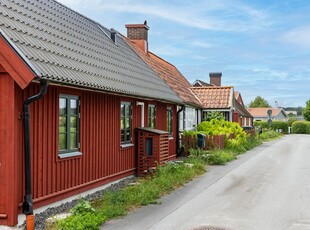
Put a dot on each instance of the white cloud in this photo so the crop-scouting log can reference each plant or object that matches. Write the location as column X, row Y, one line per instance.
column 229, row 16
column 299, row 36
column 201, row 44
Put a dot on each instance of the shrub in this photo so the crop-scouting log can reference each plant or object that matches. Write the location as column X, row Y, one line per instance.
column 301, row 127
column 276, row 125
column 218, row 127
column 262, row 124
column 291, row 120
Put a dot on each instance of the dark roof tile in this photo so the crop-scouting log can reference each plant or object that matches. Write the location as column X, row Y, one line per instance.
column 65, row 46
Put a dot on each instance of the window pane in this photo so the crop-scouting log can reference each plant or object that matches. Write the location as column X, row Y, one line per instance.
column 122, row 123
column 149, row 146
column 128, row 136
column 62, row 124
column 127, row 123
column 127, row 111
column 73, row 124
column 122, row 135
column 73, row 140
column 122, row 110
column 73, row 106
column 62, row 145
column 62, row 106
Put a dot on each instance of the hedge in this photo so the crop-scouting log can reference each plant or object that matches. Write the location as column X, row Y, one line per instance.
column 301, row 127
column 275, row 125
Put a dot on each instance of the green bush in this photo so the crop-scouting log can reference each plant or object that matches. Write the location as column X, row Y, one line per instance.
column 262, row 124
column 301, row 127
column 277, row 125
column 291, row 120
column 219, row 127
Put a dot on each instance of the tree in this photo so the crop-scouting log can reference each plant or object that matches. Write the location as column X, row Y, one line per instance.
column 259, row 102
column 306, row 111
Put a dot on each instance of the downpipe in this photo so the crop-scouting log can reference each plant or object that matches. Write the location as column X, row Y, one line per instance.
column 27, row 207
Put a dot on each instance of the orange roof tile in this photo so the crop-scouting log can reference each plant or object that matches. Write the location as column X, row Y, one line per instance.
column 262, row 112
column 169, row 73
column 215, row 97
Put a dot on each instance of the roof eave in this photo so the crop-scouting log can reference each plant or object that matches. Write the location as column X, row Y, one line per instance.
column 20, row 54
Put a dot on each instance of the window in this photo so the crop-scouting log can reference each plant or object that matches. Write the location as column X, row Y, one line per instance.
column 169, row 120
column 152, row 116
column 190, row 118
column 126, row 124
column 68, row 127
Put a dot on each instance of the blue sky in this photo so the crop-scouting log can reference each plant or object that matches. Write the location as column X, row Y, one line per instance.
column 261, row 47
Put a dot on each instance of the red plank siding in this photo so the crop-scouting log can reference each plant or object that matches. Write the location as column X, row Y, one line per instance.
column 103, row 159
column 8, row 184
column 14, row 65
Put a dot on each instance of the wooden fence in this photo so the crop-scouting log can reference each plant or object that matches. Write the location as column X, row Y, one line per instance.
column 212, row 142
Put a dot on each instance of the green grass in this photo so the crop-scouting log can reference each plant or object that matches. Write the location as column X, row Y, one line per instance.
column 270, row 135
column 148, row 190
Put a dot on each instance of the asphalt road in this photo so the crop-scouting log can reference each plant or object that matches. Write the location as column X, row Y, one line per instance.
column 266, row 188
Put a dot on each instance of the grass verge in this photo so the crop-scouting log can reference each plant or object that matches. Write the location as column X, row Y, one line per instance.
column 148, row 190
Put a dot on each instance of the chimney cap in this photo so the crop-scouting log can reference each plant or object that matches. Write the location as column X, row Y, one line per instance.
column 144, row 25
column 215, row 74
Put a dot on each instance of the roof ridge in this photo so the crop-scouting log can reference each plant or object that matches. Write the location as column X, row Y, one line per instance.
column 162, row 59
column 211, row 87
column 83, row 16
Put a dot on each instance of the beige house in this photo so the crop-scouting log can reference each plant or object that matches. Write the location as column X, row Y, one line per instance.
column 261, row 114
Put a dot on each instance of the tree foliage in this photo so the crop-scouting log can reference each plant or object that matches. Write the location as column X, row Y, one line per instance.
column 306, row 111
column 214, row 115
column 259, row 102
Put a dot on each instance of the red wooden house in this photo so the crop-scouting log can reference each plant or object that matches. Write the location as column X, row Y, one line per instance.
column 94, row 92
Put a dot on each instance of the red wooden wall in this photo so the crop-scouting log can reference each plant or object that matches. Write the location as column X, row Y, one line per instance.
column 8, row 164
column 103, row 159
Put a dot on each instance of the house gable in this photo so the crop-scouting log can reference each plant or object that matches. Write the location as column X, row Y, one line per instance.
column 11, row 63
column 215, row 97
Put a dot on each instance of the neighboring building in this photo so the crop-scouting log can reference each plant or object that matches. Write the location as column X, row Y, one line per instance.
column 200, row 83
column 83, row 129
column 215, row 97
column 244, row 117
column 291, row 112
column 260, row 114
column 189, row 116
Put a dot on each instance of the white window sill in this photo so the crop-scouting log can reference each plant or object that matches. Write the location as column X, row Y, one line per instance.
column 67, row 155
column 127, row 145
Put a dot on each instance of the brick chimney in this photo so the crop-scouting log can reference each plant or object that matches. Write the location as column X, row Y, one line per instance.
column 138, row 33
column 215, row 78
